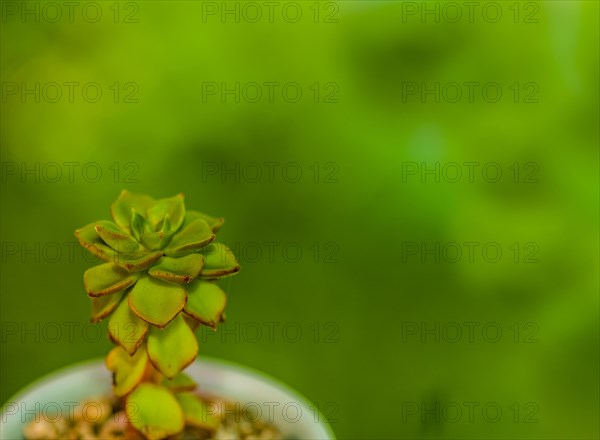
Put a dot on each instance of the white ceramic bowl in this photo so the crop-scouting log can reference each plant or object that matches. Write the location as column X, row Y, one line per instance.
column 277, row 403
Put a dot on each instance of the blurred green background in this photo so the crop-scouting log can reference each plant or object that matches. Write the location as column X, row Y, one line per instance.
column 365, row 291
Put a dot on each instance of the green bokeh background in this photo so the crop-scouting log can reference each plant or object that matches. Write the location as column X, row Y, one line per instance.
column 356, row 367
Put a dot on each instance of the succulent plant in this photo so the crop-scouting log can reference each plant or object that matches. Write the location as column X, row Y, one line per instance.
column 156, row 286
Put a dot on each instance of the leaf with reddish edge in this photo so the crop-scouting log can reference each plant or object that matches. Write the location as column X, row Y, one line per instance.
column 90, row 240
column 220, row 262
column 181, row 382
column 215, row 223
column 156, row 301
column 173, row 348
column 190, row 239
column 107, row 278
column 116, row 238
column 206, row 302
column 138, row 262
column 126, row 328
column 178, row 270
column 197, row 412
column 158, row 239
column 193, row 323
column 154, row 411
column 121, row 209
column 103, row 306
column 128, row 371
column 172, row 207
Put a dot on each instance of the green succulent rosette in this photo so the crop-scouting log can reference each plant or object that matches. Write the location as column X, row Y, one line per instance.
column 159, row 260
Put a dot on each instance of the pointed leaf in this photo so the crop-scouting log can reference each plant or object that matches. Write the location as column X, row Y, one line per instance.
column 178, row 270
column 157, row 302
column 206, row 302
column 89, row 239
column 173, row 348
column 193, row 237
column 159, row 239
column 128, row 371
column 220, row 262
column 117, row 239
column 181, row 382
column 138, row 262
column 192, row 322
column 126, row 328
column 196, row 412
column 103, row 306
column 215, row 223
column 107, row 278
column 173, row 207
column 121, row 208
column 154, row 411
column 139, row 225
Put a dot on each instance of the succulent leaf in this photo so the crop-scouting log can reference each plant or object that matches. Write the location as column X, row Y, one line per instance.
column 139, row 225
column 156, row 301
column 89, row 239
column 196, row 412
column 215, row 223
column 181, row 382
column 103, row 306
column 155, row 240
column 220, row 262
column 154, row 411
column 121, row 209
column 178, row 270
column 172, row 207
column 126, row 328
column 116, row 238
column 128, row 371
column 158, row 239
column 138, row 262
column 192, row 322
column 173, row 348
column 107, row 278
column 191, row 238
column 206, row 302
